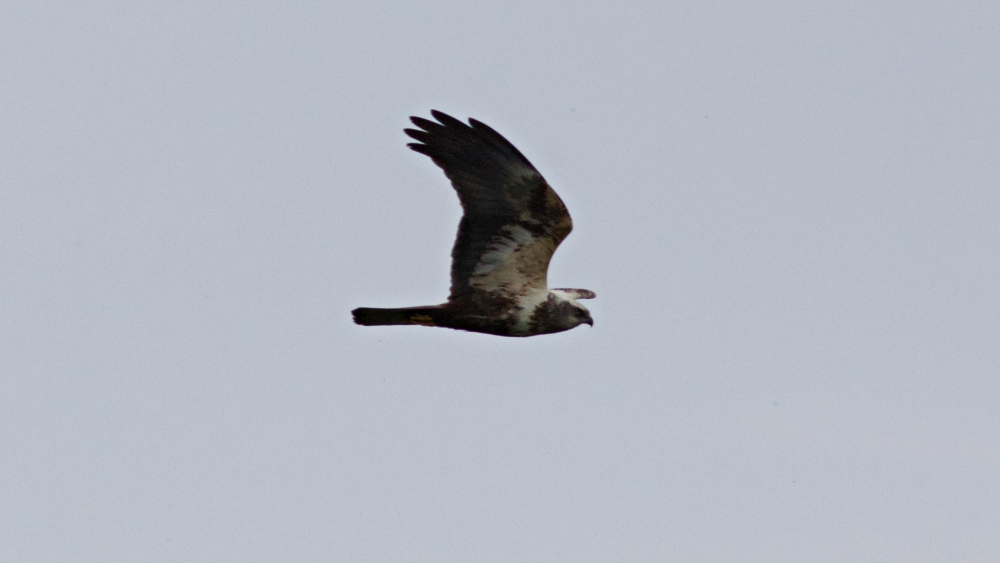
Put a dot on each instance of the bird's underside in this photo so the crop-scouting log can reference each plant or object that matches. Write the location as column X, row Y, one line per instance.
column 512, row 224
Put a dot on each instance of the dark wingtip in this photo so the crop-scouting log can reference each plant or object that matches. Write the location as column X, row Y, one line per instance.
column 425, row 125
column 447, row 120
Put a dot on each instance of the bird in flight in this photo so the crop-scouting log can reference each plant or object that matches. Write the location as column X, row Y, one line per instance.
column 512, row 223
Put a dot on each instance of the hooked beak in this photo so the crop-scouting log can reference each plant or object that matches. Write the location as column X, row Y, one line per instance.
column 589, row 321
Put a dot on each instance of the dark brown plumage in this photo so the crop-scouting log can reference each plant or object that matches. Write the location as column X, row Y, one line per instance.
column 512, row 223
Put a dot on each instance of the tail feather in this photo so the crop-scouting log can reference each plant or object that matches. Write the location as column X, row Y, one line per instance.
column 370, row 316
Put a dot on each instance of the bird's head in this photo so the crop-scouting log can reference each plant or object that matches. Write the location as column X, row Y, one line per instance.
column 571, row 312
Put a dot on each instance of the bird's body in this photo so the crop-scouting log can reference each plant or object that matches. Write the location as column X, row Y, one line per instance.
column 512, row 224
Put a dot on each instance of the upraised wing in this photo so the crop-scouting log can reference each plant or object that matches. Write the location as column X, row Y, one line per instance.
column 513, row 220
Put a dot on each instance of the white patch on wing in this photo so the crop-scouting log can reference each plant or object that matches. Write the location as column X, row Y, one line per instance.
column 563, row 295
column 512, row 237
column 573, row 294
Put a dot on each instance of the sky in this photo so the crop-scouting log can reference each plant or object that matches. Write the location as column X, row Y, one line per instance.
column 788, row 211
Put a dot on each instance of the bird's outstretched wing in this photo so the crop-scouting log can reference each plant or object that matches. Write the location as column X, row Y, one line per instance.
column 513, row 220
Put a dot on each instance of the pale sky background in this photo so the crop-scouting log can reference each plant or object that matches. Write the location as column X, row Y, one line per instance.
column 788, row 210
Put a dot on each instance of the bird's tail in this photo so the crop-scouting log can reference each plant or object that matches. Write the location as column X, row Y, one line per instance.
column 369, row 316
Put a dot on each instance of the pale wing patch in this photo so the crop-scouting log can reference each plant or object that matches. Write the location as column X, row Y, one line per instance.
column 575, row 293
column 500, row 250
column 522, row 269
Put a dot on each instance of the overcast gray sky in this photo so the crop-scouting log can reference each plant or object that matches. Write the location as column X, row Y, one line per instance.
column 788, row 210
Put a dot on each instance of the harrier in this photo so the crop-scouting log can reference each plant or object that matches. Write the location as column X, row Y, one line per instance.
column 512, row 224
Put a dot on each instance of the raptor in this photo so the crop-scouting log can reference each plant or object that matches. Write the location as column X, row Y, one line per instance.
column 513, row 221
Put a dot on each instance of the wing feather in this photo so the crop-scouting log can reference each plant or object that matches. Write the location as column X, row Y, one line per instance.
column 513, row 221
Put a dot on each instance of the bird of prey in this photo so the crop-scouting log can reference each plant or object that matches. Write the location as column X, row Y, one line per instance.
column 512, row 224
